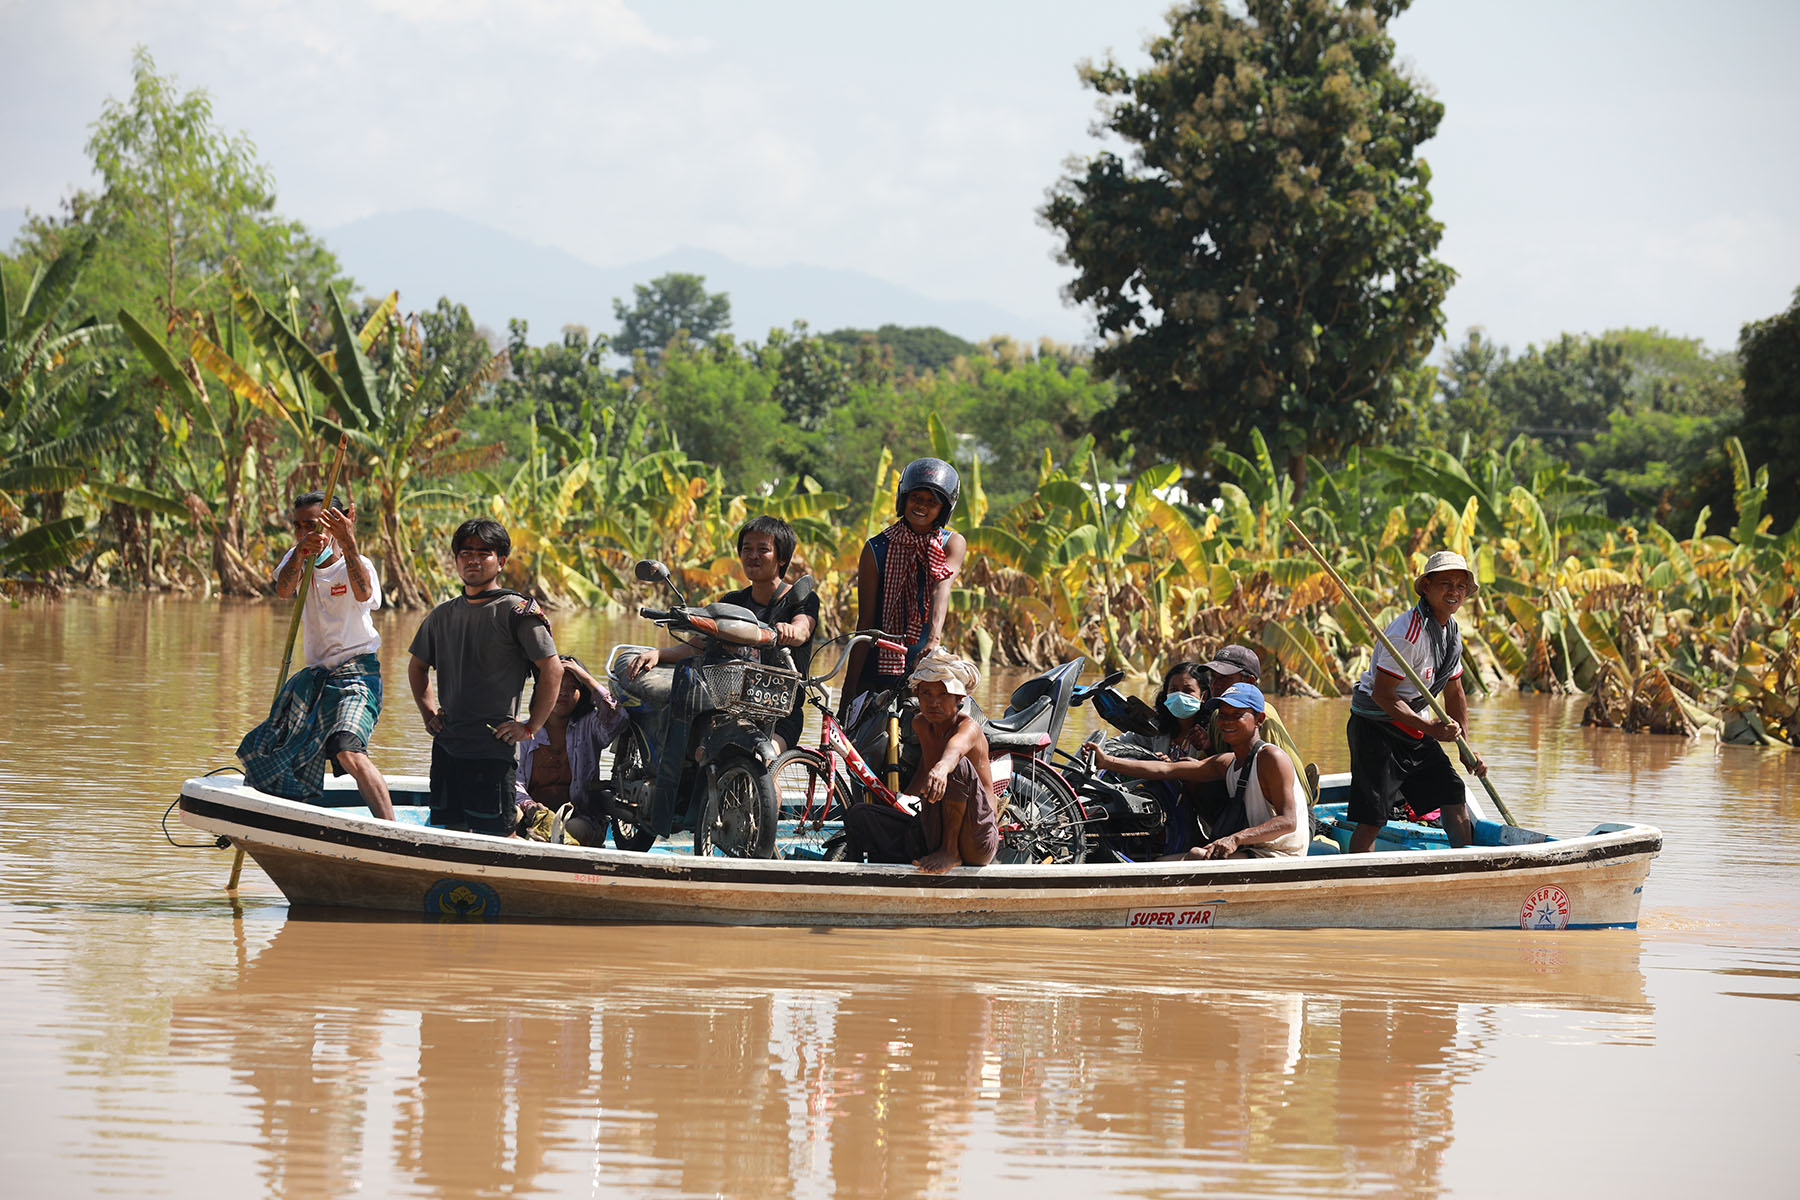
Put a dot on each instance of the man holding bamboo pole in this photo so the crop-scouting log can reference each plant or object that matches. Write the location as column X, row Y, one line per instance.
column 327, row 712
column 1394, row 752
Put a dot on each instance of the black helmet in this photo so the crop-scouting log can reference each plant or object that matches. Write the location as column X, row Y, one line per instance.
column 935, row 474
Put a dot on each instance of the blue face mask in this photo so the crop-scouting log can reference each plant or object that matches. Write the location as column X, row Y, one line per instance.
column 324, row 556
column 1181, row 705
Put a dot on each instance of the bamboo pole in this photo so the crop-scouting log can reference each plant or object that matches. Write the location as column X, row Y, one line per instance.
column 1412, row 676
column 287, row 655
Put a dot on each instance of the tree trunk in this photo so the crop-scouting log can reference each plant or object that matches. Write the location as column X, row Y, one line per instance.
column 236, row 576
column 1296, row 467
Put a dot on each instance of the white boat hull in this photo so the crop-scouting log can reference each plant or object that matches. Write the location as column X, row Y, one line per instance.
column 322, row 856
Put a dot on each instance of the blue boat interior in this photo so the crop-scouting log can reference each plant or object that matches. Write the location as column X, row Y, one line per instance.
column 412, row 807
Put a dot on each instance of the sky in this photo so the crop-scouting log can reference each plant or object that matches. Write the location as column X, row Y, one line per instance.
column 1600, row 164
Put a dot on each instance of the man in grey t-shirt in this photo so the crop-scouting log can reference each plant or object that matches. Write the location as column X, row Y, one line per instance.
column 483, row 645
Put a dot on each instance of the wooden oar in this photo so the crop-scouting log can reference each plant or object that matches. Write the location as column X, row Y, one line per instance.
column 287, row 655
column 1412, row 676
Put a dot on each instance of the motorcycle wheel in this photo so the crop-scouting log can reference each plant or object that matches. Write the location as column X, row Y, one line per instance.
column 814, row 802
column 632, row 776
column 739, row 818
column 1043, row 821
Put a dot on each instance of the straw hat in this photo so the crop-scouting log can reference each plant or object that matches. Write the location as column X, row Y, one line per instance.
column 1445, row 560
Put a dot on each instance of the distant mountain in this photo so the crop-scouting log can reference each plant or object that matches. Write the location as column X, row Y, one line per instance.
column 428, row 254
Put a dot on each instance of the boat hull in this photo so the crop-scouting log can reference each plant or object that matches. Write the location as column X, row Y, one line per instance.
column 320, row 856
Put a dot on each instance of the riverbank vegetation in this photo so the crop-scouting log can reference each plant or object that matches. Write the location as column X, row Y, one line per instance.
column 177, row 361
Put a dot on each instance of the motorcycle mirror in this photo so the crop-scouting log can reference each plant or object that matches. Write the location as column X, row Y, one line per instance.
column 803, row 587
column 1110, row 680
column 648, row 570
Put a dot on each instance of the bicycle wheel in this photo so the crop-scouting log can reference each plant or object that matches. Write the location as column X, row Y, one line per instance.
column 633, row 779
column 1042, row 821
column 812, row 805
column 739, row 818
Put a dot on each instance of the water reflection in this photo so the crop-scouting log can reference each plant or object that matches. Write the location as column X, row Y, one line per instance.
column 447, row 1060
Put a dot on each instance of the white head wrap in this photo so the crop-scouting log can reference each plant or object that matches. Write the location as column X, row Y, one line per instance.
column 958, row 675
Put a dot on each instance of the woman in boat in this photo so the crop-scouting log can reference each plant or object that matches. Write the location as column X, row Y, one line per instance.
column 561, row 763
column 904, row 577
column 1258, row 777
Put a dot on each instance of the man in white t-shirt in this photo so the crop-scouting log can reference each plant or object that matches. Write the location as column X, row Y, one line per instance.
column 1395, row 756
column 342, row 697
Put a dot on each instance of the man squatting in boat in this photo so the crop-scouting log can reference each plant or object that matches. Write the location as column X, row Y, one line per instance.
column 956, row 824
column 1395, row 758
column 328, row 710
column 1262, row 787
column 482, row 644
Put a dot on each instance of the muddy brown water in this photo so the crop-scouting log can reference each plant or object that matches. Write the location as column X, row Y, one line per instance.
column 159, row 1040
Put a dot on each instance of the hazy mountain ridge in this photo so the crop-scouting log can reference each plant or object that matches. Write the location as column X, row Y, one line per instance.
column 499, row 276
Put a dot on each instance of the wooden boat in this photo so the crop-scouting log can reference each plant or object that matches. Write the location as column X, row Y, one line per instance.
column 1511, row 879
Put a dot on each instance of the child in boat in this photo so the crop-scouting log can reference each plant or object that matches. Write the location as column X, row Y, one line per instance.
column 482, row 644
column 560, row 764
column 1264, row 784
column 1395, row 759
column 903, row 580
column 326, row 712
column 956, row 824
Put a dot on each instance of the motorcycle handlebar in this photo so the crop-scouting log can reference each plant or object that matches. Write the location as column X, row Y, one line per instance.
column 655, row 614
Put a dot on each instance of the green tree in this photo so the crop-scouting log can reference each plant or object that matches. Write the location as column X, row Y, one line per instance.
column 180, row 200
column 670, row 307
column 1263, row 258
column 1770, row 353
column 717, row 404
column 918, row 348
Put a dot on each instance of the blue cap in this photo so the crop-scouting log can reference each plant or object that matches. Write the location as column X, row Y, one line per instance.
column 1243, row 695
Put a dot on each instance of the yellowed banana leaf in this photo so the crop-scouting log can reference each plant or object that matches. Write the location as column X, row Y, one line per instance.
column 1301, row 654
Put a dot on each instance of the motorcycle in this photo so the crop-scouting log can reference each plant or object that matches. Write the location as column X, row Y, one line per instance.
column 1128, row 816
column 731, row 700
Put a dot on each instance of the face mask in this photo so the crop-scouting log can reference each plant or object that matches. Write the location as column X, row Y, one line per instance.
column 324, row 557
column 1181, row 705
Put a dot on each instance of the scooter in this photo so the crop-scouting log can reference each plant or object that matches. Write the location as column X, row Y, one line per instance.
column 1128, row 816
column 731, row 701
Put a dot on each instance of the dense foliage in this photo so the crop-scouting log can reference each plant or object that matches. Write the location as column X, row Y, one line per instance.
column 176, row 362
column 1261, row 258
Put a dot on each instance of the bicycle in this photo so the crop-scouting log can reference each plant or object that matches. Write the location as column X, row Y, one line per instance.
column 1041, row 819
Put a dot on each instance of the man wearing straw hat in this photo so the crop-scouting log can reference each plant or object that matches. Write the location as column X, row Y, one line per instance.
column 326, row 712
column 1395, row 758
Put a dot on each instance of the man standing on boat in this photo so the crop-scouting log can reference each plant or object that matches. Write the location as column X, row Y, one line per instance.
column 1395, row 758
column 482, row 644
column 327, row 712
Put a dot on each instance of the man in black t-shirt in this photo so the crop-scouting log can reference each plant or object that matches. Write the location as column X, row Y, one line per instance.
column 765, row 548
column 483, row 645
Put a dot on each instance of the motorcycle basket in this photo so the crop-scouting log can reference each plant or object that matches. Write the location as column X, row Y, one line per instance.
column 746, row 689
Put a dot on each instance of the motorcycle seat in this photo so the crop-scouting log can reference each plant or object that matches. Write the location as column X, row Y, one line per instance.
column 1020, row 721
column 653, row 688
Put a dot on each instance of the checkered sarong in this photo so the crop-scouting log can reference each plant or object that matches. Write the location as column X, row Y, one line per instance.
column 285, row 755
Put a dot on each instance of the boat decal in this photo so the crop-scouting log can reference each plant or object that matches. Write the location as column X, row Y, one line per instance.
column 462, row 900
column 1546, row 908
column 1171, row 918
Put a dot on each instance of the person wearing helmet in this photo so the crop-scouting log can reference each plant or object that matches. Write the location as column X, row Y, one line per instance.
column 904, row 577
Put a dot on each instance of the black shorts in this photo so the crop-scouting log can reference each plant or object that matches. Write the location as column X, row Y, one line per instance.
column 472, row 793
column 339, row 742
column 1390, row 769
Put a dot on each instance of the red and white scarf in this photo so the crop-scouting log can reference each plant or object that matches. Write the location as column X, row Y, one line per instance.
column 902, row 612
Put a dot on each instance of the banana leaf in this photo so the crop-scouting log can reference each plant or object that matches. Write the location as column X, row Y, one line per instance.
column 1301, row 654
column 139, row 498
column 357, row 376
column 47, row 547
